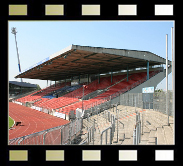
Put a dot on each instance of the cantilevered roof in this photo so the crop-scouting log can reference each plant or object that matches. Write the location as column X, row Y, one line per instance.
column 77, row 60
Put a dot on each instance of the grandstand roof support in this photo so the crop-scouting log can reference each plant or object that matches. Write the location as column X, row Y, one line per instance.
column 127, row 73
column 79, row 79
column 147, row 70
column 111, row 75
column 99, row 78
column 88, row 78
column 82, row 98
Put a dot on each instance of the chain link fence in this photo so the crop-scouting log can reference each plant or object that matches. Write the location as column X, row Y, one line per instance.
column 159, row 102
column 60, row 135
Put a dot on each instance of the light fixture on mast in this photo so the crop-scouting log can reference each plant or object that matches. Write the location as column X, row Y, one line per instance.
column 13, row 31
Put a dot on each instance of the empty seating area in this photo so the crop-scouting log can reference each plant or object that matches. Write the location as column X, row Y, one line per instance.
column 57, row 102
column 74, row 106
column 67, row 89
column 51, row 89
column 93, row 86
column 37, row 95
column 71, row 95
column 123, row 84
column 133, row 78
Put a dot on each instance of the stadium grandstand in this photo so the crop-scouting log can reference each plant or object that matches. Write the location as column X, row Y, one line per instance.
column 89, row 81
column 19, row 88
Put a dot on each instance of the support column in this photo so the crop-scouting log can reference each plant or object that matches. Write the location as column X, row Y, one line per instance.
column 173, row 74
column 167, row 102
column 88, row 78
column 79, row 79
column 55, row 83
column 147, row 70
column 99, row 78
column 127, row 73
column 111, row 75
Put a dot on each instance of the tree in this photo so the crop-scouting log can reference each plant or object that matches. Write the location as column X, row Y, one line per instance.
column 159, row 90
column 38, row 87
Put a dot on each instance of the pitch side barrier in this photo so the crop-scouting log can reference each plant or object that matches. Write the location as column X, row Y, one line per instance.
column 61, row 135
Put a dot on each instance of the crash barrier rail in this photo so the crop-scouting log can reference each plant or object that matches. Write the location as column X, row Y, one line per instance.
column 106, row 135
column 90, row 136
column 109, row 98
column 113, row 128
column 111, row 118
column 137, row 130
column 60, row 135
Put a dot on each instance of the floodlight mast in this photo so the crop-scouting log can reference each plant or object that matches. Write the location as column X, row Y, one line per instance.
column 14, row 32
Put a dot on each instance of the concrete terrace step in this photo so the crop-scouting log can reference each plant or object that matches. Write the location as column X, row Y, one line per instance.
column 144, row 138
column 169, row 137
column 152, row 134
column 172, row 127
column 128, row 141
column 151, row 141
column 160, row 136
column 157, row 117
column 152, row 127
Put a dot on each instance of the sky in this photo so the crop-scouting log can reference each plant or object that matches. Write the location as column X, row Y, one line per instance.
column 38, row 40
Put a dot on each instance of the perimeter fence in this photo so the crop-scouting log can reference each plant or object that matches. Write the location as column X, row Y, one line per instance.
column 156, row 103
column 60, row 135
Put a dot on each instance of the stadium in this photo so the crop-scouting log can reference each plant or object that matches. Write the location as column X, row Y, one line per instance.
column 101, row 96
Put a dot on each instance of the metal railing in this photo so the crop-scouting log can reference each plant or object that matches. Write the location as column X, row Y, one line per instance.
column 111, row 118
column 106, row 135
column 60, row 135
column 90, row 136
column 137, row 130
column 109, row 98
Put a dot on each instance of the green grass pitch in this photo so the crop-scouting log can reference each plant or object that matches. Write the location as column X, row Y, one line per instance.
column 11, row 122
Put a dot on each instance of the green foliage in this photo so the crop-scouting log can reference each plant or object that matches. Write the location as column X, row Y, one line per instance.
column 38, row 87
column 159, row 90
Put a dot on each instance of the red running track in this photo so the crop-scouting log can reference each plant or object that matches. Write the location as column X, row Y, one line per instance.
column 32, row 120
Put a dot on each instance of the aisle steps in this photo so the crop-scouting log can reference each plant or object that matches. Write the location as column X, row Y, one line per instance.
column 154, row 126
